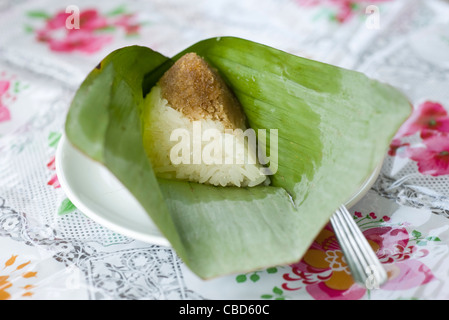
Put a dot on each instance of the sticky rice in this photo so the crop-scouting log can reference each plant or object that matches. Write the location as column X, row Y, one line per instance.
column 195, row 129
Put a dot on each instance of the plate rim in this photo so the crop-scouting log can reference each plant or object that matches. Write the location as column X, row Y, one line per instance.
column 365, row 187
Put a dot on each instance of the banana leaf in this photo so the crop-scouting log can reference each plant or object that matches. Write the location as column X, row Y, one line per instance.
column 333, row 128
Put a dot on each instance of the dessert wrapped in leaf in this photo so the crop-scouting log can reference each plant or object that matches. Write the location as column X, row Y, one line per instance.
column 322, row 129
column 191, row 103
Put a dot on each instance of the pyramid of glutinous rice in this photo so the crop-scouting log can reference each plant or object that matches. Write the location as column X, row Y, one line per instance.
column 196, row 128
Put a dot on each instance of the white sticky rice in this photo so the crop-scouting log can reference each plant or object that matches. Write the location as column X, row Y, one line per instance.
column 233, row 164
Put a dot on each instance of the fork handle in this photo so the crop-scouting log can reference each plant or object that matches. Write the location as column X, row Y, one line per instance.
column 365, row 267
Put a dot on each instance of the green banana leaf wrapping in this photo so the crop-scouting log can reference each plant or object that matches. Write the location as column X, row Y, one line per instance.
column 334, row 127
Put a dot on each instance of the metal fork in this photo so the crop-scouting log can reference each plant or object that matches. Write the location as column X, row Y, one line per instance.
column 363, row 263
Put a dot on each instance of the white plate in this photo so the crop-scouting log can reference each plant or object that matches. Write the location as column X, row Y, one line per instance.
column 101, row 197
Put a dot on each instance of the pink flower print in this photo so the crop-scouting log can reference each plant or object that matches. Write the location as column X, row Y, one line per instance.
column 126, row 21
column 52, row 163
column 345, row 9
column 309, row 3
column 396, row 147
column 86, row 38
column 426, row 119
column 91, row 20
column 54, row 182
column 405, row 270
column 408, row 274
column 324, row 273
column 433, row 159
column 4, row 87
column 400, row 258
column 431, row 121
column 372, row 215
column 358, row 214
column 80, row 40
column 5, row 115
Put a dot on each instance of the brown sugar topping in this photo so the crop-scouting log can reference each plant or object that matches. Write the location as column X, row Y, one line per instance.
column 192, row 87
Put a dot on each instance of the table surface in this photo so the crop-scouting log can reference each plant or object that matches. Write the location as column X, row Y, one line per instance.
column 51, row 250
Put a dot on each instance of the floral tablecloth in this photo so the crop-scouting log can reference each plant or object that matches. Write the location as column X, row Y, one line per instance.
column 50, row 250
